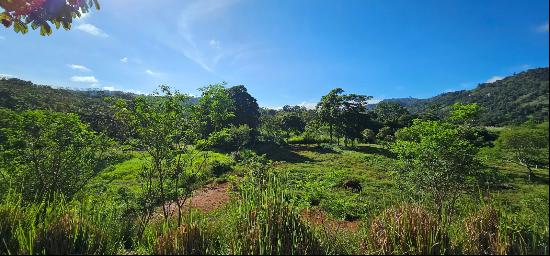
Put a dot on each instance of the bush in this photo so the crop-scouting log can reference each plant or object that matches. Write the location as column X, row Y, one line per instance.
column 369, row 136
column 385, row 134
column 408, row 229
column 232, row 138
column 218, row 168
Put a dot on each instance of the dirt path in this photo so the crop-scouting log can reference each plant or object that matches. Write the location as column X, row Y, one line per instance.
column 206, row 199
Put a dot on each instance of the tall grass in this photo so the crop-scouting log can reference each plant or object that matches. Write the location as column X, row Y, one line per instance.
column 268, row 224
column 56, row 227
column 407, row 229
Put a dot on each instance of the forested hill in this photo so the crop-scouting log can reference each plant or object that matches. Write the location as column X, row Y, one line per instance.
column 90, row 105
column 19, row 94
column 514, row 99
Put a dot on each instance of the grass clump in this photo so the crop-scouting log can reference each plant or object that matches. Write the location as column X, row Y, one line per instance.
column 406, row 229
column 268, row 224
column 482, row 233
column 188, row 239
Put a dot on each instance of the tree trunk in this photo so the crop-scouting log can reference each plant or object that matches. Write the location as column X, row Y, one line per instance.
column 330, row 132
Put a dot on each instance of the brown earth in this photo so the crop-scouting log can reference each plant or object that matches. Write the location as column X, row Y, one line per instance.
column 319, row 217
column 206, row 199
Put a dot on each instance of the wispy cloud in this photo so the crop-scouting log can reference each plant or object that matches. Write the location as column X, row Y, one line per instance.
column 494, row 79
column 124, row 60
column 215, row 44
column 206, row 53
column 543, row 28
column 79, row 67
column 5, row 76
column 92, row 30
column 84, row 79
column 152, row 73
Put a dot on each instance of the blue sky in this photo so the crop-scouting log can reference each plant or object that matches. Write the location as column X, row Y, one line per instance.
column 287, row 51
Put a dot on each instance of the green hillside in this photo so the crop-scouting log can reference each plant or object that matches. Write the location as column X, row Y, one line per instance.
column 514, row 99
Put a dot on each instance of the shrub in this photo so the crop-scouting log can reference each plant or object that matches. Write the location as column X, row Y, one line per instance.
column 232, row 138
column 218, row 168
column 408, row 229
column 385, row 133
column 369, row 136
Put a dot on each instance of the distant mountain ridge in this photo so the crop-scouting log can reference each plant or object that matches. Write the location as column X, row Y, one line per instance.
column 513, row 99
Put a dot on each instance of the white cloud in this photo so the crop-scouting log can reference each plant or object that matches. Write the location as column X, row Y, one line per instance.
column 215, row 44
column 84, row 79
column 543, row 28
column 92, row 30
column 112, row 88
column 124, row 60
column 308, row 105
column 152, row 73
column 374, row 101
column 5, row 76
column 79, row 67
column 494, row 79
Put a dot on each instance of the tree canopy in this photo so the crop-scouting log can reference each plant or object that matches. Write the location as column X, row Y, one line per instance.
column 247, row 110
column 40, row 13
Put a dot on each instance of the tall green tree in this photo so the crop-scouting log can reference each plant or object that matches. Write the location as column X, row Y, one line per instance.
column 353, row 117
column 466, row 114
column 216, row 108
column 292, row 123
column 392, row 114
column 246, row 109
column 328, row 109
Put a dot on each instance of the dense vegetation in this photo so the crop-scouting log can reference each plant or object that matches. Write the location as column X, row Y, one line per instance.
column 512, row 100
column 90, row 172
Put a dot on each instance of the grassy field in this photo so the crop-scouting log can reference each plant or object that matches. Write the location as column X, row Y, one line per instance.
column 315, row 199
column 344, row 189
